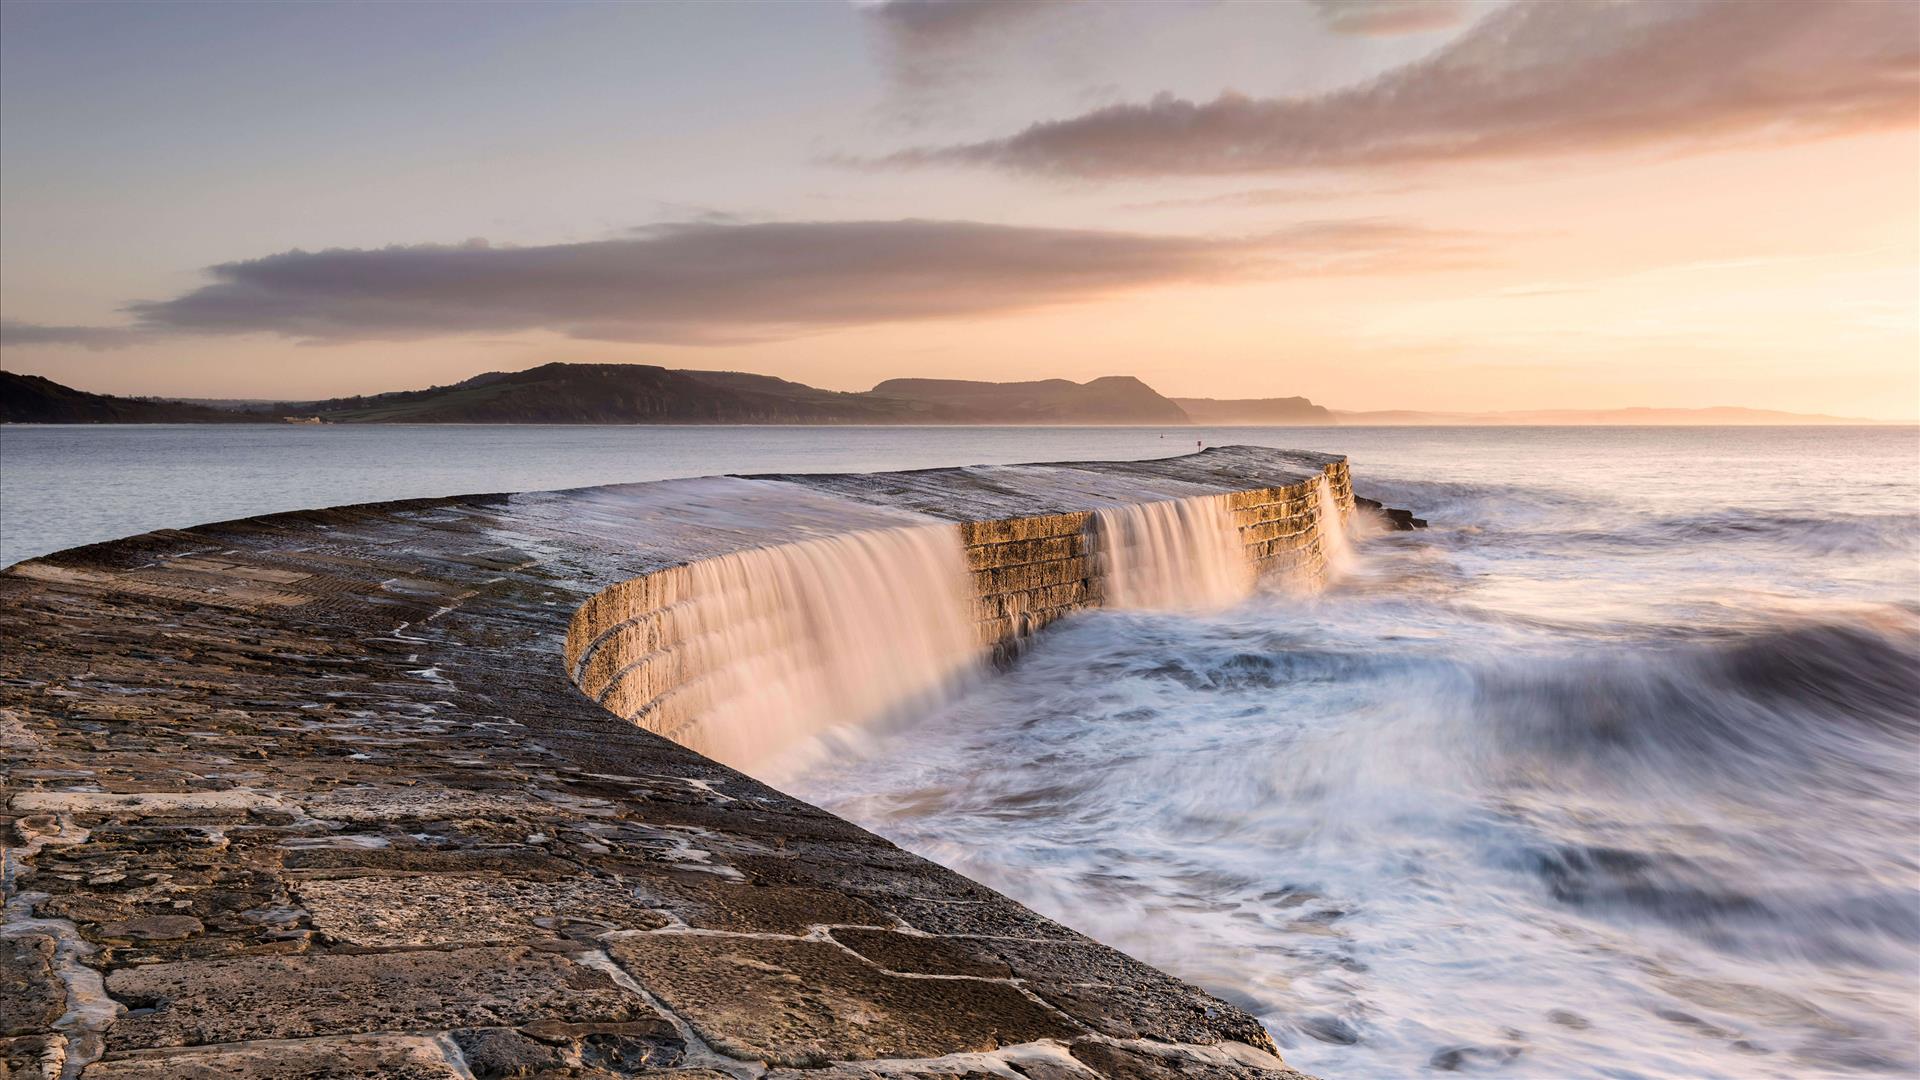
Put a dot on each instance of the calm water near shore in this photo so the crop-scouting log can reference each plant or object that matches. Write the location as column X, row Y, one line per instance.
column 1613, row 772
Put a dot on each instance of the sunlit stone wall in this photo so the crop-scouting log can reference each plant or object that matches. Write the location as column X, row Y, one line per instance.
column 628, row 647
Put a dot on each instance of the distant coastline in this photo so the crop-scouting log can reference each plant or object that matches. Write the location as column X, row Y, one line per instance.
column 646, row 394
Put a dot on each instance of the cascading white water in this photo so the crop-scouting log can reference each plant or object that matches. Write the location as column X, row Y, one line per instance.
column 1173, row 555
column 1335, row 545
column 785, row 642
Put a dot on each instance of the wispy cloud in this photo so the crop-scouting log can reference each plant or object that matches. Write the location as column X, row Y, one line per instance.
column 932, row 23
column 711, row 282
column 1382, row 18
column 92, row 338
column 1532, row 79
column 929, row 42
column 1276, row 196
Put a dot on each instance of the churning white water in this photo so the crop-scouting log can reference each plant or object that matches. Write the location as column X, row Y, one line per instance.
column 1609, row 774
column 1335, row 545
column 785, row 642
column 1174, row 555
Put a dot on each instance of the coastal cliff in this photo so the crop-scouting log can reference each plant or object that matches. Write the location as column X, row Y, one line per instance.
column 315, row 793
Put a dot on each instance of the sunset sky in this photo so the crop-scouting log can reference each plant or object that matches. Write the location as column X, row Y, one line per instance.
column 1402, row 204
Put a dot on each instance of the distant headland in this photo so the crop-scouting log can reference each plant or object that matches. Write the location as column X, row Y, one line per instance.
column 647, row 394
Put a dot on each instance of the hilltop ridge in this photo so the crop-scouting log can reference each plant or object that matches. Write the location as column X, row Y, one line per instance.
column 560, row 393
column 563, row 393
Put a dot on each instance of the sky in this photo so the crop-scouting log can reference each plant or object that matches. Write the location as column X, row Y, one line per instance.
column 1395, row 204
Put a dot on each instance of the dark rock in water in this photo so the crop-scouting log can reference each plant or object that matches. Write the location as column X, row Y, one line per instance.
column 1330, row 1029
column 1456, row 1058
column 1567, row 1018
column 1397, row 520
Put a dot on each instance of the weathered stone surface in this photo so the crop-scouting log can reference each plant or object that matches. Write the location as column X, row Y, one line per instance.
column 32, row 1057
column 806, row 1003
column 492, row 1053
column 1117, row 995
column 307, row 780
column 984, row 917
column 295, row 997
column 707, row 902
column 1032, row 1061
column 923, row 954
column 32, row 996
column 1122, row 1062
column 393, row 1057
column 1104, row 989
column 153, row 928
column 446, row 910
column 552, row 1048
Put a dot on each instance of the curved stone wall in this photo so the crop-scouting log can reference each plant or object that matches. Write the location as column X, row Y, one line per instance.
column 314, row 793
column 628, row 647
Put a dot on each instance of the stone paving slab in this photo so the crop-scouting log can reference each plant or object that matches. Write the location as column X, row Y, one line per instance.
column 391, row 1057
column 188, row 1004
column 809, row 1003
column 32, row 996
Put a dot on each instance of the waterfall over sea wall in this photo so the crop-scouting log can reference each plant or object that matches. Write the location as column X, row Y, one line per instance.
column 777, row 644
column 1335, row 545
column 746, row 655
column 1175, row 554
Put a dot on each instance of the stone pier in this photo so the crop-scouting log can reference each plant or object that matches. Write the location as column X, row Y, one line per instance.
column 315, row 795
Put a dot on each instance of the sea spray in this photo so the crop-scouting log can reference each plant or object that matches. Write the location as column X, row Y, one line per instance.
column 1335, row 545
column 1173, row 555
column 1611, row 772
column 786, row 642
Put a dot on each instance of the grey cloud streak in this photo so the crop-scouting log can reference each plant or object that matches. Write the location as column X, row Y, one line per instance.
column 713, row 283
column 92, row 338
column 931, row 43
column 936, row 22
column 1380, row 18
column 1531, row 79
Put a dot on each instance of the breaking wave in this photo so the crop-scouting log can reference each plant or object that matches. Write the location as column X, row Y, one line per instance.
column 1570, row 785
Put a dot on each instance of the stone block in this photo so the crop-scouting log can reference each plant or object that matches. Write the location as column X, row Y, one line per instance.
column 710, row 902
column 32, row 996
column 375, row 1057
column 1118, row 1061
column 643, row 683
column 1119, row 996
column 623, row 646
column 1024, row 528
column 291, row 997
column 1021, row 552
column 807, row 1003
column 32, row 1057
column 383, row 912
column 552, row 1049
column 620, row 602
column 922, row 954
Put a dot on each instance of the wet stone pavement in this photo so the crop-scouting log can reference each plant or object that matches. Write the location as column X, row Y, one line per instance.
column 311, row 795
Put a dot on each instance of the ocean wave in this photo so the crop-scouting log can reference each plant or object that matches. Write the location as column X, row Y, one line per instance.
column 1796, row 696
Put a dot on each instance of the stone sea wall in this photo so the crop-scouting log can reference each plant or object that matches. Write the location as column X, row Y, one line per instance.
column 315, row 794
column 625, row 646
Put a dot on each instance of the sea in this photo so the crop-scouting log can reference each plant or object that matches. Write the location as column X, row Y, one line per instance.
column 1612, row 771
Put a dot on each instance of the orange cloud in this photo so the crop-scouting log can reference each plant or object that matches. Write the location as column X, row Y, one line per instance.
column 712, row 282
column 1532, row 79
